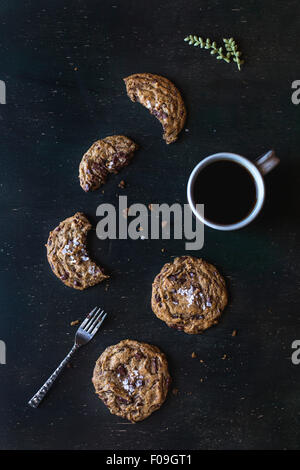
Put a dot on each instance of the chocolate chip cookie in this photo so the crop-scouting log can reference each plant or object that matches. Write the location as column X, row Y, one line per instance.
column 67, row 254
column 163, row 100
column 105, row 156
column 132, row 379
column 189, row 294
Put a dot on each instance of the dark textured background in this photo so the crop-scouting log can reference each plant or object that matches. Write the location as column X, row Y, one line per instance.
column 63, row 64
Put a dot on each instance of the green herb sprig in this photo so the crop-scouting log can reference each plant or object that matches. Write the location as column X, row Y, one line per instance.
column 232, row 48
column 231, row 53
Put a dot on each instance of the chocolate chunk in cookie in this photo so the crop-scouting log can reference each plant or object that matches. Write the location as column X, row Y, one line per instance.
column 67, row 254
column 105, row 156
column 162, row 99
column 189, row 294
column 132, row 379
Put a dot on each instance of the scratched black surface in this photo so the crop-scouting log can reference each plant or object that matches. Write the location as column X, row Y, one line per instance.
column 63, row 64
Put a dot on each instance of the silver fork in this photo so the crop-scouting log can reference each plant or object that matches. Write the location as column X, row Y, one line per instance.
column 84, row 334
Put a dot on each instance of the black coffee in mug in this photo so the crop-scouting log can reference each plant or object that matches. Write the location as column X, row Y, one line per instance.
column 227, row 190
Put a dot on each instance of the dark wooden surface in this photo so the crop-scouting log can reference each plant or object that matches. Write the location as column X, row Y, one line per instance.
column 63, row 64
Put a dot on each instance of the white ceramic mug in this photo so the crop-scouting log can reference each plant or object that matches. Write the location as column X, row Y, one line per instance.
column 257, row 169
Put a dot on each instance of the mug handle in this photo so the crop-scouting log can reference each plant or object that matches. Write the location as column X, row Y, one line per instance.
column 267, row 162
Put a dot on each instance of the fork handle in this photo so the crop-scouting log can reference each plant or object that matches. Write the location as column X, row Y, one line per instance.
column 38, row 397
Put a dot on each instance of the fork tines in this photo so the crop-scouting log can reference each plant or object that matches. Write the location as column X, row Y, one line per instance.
column 93, row 321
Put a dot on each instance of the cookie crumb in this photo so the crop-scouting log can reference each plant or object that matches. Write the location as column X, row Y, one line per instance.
column 194, row 355
column 74, row 323
column 150, row 206
column 125, row 213
column 162, row 250
column 224, row 357
column 234, row 333
column 122, row 184
column 164, row 223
